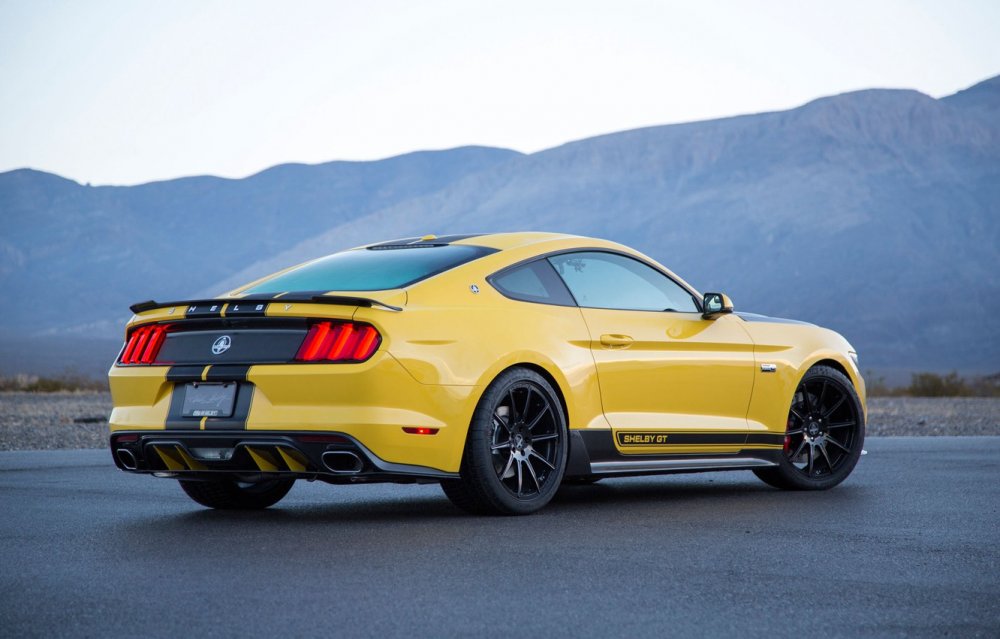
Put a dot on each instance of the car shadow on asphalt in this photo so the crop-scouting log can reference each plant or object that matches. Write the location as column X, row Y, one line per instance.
column 611, row 497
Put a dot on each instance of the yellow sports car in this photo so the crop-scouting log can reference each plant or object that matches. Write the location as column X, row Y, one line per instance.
column 497, row 365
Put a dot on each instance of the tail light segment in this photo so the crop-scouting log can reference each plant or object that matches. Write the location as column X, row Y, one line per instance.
column 325, row 341
column 144, row 344
column 339, row 342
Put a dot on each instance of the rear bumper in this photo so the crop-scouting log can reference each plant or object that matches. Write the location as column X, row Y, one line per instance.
column 331, row 457
column 370, row 402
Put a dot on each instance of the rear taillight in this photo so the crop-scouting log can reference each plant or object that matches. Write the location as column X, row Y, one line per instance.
column 144, row 344
column 339, row 342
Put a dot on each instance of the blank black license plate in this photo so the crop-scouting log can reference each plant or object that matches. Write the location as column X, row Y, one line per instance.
column 209, row 400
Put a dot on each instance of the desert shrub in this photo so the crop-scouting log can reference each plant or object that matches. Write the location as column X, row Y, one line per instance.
column 877, row 386
column 933, row 385
column 986, row 386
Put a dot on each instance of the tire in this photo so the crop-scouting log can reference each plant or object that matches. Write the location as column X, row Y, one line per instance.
column 824, row 436
column 229, row 494
column 515, row 452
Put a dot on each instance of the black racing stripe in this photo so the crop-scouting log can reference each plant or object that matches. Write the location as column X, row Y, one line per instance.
column 185, row 373
column 689, row 439
column 397, row 242
column 578, row 461
column 255, row 297
column 249, row 308
column 241, row 411
column 766, row 438
column 293, row 296
column 181, row 375
column 244, row 396
column 754, row 317
column 228, row 373
column 241, row 408
column 175, row 418
column 448, row 239
column 410, row 241
column 204, row 309
column 600, row 445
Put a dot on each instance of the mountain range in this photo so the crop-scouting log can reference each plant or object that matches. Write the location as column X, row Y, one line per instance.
column 876, row 213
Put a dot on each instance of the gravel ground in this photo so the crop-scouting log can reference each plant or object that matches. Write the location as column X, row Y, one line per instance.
column 46, row 421
column 894, row 416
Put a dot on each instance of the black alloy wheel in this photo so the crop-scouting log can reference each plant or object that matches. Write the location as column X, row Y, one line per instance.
column 825, row 433
column 515, row 452
column 525, row 440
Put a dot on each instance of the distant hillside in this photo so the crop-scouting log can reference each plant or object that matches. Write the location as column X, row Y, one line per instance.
column 876, row 213
column 82, row 254
column 982, row 100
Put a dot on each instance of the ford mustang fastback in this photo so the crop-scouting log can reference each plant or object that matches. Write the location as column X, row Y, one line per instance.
column 498, row 366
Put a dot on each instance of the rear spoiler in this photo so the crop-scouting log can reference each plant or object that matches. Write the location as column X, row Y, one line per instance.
column 343, row 300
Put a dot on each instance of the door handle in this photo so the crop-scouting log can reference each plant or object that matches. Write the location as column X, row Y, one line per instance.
column 615, row 341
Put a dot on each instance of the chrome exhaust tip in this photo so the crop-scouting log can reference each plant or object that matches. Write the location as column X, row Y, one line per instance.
column 342, row 462
column 126, row 459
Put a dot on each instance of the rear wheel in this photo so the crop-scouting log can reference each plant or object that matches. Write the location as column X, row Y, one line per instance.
column 825, row 433
column 230, row 494
column 515, row 453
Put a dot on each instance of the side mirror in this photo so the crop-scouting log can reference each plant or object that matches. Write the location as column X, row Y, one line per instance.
column 716, row 304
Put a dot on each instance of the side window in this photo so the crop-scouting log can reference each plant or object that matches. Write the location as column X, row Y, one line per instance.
column 609, row 280
column 533, row 282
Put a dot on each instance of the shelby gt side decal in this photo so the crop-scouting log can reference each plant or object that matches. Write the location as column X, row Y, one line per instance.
column 641, row 439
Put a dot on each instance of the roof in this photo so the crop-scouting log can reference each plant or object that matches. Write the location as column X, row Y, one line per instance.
column 500, row 241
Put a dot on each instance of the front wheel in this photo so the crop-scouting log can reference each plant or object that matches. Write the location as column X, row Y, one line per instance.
column 515, row 452
column 230, row 494
column 825, row 433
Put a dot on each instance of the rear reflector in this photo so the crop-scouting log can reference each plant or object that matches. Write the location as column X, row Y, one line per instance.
column 339, row 342
column 420, row 430
column 144, row 344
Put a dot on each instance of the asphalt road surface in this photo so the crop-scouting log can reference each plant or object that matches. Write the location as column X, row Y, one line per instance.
column 908, row 546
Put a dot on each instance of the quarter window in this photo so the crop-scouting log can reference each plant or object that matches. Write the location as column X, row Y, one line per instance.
column 533, row 282
column 609, row 280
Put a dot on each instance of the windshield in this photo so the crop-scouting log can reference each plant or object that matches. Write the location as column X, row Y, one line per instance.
column 372, row 269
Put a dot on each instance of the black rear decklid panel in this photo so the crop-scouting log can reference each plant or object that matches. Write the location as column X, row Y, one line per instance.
column 243, row 347
column 250, row 341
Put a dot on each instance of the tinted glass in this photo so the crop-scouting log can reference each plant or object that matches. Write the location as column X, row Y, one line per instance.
column 609, row 280
column 533, row 282
column 371, row 269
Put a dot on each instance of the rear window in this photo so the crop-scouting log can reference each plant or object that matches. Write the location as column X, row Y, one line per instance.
column 372, row 269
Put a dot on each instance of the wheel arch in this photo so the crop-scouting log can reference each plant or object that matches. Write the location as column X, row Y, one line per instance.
column 546, row 375
column 786, row 474
column 578, row 459
column 847, row 371
column 832, row 363
column 481, row 487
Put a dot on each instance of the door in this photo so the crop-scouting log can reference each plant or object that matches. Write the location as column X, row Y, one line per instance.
column 670, row 381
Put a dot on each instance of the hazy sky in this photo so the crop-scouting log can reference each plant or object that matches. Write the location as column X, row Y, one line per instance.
column 133, row 91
